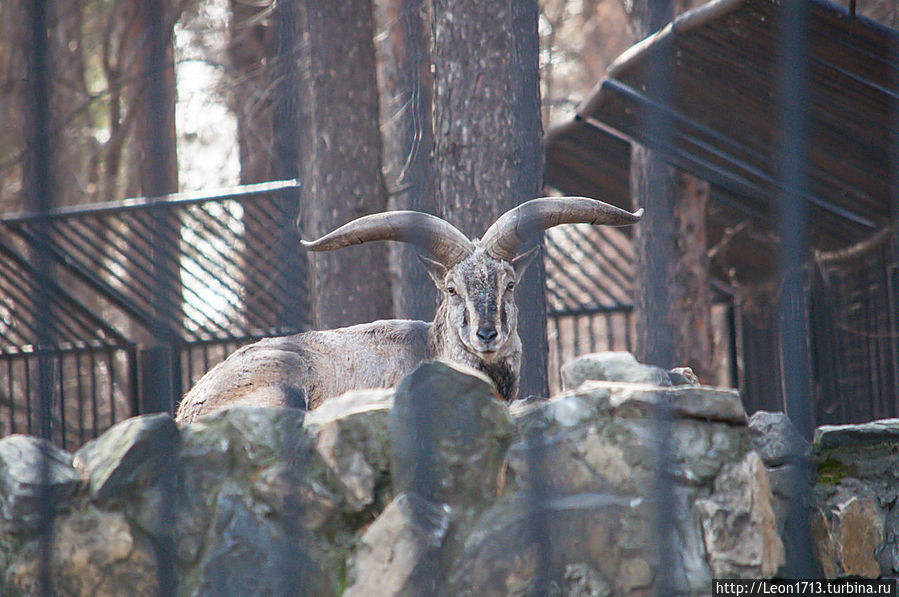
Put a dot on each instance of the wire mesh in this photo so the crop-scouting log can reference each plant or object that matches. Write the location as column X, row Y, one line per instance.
column 68, row 374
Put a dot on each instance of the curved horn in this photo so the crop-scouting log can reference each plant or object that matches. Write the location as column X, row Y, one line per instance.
column 430, row 233
column 521, row 225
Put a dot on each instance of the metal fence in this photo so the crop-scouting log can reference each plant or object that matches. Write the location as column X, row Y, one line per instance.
column 93, row 366
column 589, row 273
column 229, row 280
column 98, row 301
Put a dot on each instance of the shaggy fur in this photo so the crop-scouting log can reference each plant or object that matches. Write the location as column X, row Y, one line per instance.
column 476, row 323
column 306, row 369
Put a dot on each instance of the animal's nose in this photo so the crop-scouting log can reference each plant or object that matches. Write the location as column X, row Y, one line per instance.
column 487, row 334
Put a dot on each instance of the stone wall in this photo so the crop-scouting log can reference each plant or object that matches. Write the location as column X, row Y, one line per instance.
column 438, row 488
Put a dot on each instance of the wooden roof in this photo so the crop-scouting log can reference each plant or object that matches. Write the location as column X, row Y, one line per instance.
column 724, row 124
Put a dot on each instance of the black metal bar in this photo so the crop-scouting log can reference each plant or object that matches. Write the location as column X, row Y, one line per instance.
column 559, row 352
column 792, row 90
column 576, row 335
column 11, row 387
column 110, row 368
column 28, row 414
column 133, row 377
column 245, row 192
column 893, row 269
column 80, row 388
column 62, row 401
column 95, row 407
column 590, row 310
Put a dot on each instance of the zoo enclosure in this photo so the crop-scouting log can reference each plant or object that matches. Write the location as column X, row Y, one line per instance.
column 226, row 279
column 143, row 290
column 226, row 283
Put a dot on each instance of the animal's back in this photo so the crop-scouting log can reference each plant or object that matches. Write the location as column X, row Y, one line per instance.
column 303, row 370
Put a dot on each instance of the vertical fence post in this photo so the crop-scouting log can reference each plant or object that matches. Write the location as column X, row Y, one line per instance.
column 792, row 87
column 161, row 363
column 652, row 186
column 160, row 177
column 155, row 379
column 292, row 262
column 39, row 185
column 893, row 267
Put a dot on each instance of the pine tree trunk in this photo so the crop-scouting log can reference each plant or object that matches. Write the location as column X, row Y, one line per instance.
column 407, row 90
column 158, row 177
column 672, row 302
column 488, row 131
column 249, row 54
column 341, row 168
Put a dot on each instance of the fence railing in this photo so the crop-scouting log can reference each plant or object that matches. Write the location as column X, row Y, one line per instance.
column 230, row 273
column 92, row 366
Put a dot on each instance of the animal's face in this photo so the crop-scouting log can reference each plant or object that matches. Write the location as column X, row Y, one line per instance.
column 479, row 301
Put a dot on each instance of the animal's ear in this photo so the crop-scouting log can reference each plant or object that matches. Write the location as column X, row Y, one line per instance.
column 436, row 270
column 521, row 263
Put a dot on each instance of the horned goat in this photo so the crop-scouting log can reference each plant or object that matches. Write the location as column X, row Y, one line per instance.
column 476, row 322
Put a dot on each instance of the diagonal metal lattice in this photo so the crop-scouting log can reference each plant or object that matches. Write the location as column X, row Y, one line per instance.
column 232, row 265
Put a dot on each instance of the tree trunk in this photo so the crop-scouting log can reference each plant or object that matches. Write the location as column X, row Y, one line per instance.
column 262, row 52
column 672, row 302
column 407, row 89
column 672, row 292
column 293, row 265
column 249, row 52
column 159, row 176
column 341, row 149
column 159, row 166
column 488, row 130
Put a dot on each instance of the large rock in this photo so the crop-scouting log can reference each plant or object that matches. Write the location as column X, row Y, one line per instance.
column 847, row 532
column 248, row 554
column 399, row 554
column 606, row 435
column 352, row 437
column 740, row 531
column 448, row 434
column 776, row 439
column 591, row 455
column 129, row 455
column 93, row 554
column 265, row 454
column 855, row 527
column 887, row 553
column 32, row 470
column 611, row 366
column 527, row 546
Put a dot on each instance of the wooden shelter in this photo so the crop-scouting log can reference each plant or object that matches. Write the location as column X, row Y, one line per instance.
column 724, row 126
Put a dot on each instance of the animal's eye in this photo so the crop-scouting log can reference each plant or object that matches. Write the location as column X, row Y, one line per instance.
column 510, row 286
column 451, row 290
